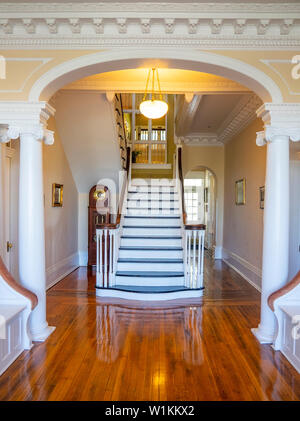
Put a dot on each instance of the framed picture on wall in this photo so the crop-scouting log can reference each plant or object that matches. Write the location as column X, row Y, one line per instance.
column 57, row 195
column 240, row 192
column 262, row 197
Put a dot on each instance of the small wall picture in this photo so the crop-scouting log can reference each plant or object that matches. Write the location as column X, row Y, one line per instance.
column 57, row 195
column 240, row 192
column 262, row 197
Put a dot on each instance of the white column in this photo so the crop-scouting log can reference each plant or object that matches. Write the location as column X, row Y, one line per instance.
column 31, row 228
column 282, row 124
column 276, row 231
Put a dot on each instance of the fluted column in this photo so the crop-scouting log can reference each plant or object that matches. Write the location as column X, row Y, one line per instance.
column 29, row 125
column 276, row 136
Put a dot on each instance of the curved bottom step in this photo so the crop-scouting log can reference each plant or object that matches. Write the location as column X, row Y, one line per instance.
column 163, row 293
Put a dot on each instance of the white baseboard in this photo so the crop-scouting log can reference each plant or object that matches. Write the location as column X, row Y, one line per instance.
column 59, row 270
column 218, row 252
column 251, row 273
column 83, row 258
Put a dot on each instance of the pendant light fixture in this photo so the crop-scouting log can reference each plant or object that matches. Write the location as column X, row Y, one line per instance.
column 153, row 108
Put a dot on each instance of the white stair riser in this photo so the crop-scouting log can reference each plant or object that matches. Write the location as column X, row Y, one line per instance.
column 152, row 212
column 164, row 254
column 152, row 183
column 139, row 281
column 151, row 242
column 157, row 267
column 152, row 231
column 174, row 222
column 152, row 196
column 166, row 204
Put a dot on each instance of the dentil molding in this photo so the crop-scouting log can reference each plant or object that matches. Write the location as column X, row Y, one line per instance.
column 88, row 25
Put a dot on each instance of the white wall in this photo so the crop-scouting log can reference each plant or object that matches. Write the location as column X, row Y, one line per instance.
column 211, row 157
column 86, row 125
column 61, row 223
column 243, row 224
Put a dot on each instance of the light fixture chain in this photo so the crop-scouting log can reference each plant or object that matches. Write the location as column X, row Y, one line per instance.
column 148, row 78
column 158, row 83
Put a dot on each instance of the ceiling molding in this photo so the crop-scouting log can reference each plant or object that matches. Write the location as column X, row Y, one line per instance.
column 98, row 25
column 242, row 115
column 201, row 139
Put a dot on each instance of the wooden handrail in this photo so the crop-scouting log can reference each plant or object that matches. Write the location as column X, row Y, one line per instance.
column 184, row 214
column 284, row 290
column 6, row 275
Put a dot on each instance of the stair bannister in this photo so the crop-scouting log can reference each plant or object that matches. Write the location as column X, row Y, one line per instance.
column 193, row 238
column 108, row 234
column 287, row 321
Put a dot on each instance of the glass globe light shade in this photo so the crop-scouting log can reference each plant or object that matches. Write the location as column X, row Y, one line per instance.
column 154, row 108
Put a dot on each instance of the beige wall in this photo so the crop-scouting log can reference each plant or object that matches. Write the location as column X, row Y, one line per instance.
column 211, row 157
column 61, row 224
column 243, row 225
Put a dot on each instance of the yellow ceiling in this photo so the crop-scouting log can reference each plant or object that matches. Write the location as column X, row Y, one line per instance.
column 171, row 81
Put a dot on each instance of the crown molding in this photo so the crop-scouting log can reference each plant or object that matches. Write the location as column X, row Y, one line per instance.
column 201, row 139
column 251, row 9
column 100, row 25
column 240, row 117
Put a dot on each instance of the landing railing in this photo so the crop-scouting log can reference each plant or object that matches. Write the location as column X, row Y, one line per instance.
column 108, row 234
column 193, row 237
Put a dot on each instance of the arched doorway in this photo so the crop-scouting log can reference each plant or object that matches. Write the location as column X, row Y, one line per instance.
column 200, row 185
column 220, row 65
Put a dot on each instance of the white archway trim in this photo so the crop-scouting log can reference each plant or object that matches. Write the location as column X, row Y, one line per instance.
column 208, row 62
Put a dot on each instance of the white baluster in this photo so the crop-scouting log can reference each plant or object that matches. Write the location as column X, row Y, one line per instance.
column 194, row 260
column 185, row 258
column 199, row 259
column 97, row 258
column 189, row 259
column 111, row 253
column 101, row 258
column 105, row 280
column 202, row 257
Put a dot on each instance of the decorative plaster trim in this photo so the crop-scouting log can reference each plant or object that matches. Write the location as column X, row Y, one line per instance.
column 43, row 61
column 268, row 63
column 88, row 42
column 23, row 118
column 201, row 139
column 240, row 117
column 96, row 25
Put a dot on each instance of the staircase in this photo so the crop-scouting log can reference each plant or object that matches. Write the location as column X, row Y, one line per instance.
column 150, row 254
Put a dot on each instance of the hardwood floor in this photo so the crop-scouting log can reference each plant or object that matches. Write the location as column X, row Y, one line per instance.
column 108, row 350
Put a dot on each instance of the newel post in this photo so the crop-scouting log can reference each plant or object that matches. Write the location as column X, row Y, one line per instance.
column 27, row 121
column 282, row 124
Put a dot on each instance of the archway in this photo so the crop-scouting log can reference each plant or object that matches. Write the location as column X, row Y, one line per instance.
column 217, row 64
column 201, row 197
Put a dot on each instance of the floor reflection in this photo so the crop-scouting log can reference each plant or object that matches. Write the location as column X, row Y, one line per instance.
column 154, row 325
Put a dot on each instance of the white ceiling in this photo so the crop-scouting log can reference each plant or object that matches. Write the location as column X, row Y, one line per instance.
column 212, row 111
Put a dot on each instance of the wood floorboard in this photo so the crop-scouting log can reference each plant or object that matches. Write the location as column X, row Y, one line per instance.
column 109, row 349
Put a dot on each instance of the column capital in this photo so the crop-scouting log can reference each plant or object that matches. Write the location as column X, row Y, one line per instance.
column 271, row 134
column 280, row 115
column 38, row 132
column 18, row 118
column 279, row 120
